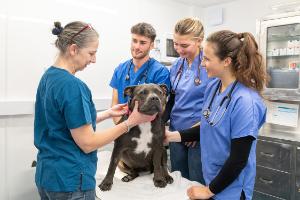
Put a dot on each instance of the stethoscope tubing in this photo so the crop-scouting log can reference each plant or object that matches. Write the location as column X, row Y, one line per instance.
column 207, row 111
column 180, row 71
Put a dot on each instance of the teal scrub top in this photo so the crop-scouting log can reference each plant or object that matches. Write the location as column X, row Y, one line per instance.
column 245, row 115
column 150, row 72
column 63, row 102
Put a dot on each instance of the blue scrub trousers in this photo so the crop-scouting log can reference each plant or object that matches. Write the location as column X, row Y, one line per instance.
column 77, row 195
column 187, row 160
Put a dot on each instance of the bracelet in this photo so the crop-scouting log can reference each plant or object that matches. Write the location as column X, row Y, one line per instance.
column 127, row 126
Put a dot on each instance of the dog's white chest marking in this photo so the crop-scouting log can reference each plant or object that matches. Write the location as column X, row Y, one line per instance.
column 144, row 139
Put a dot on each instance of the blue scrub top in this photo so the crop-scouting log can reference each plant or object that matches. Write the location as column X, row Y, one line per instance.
column 188, row 97
column 150, row 72
column 245, row 115
column 63, row 102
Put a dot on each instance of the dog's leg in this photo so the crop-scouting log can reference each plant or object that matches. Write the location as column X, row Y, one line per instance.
column 131, row 173
column 158, row 179
column 168, row 178
column 115, row 157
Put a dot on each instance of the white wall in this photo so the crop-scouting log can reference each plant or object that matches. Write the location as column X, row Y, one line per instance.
column 29, row 48
column 26, row 50
column 240, row 15
column 2, row 160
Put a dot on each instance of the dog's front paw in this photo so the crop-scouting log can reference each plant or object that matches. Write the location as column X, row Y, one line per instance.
column 169, row 179
column 105, row 186
column 160, row 183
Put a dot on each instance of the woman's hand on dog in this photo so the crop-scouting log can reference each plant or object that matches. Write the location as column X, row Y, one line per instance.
column 172, row 136
column 117, row 110
column 136, row 117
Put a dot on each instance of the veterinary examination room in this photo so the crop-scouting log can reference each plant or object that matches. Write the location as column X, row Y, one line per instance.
column 149, row 100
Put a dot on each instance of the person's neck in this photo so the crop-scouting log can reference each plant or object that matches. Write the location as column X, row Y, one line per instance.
column 192, row 57
column 139, row 62
column 63, row 63
column 226, row 81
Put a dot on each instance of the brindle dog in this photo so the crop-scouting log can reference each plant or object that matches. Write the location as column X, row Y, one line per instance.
column 141, row 149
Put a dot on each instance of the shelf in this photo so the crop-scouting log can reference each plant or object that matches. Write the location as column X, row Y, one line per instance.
column 283, row 56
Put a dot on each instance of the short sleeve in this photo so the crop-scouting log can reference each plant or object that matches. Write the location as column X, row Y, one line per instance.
column 163, row 77
column 76, row 105
column 115, row 79
column 247, row 117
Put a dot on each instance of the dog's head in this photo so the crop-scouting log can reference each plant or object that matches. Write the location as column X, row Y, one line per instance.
column 151, row 97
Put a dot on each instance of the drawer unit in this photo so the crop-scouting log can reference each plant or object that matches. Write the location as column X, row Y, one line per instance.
column 261, row 196
column 274, row 155
column 298, row 160
column 297, row 189
column 273, row 182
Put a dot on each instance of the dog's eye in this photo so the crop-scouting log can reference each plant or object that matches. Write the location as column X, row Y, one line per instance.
column 143, row 92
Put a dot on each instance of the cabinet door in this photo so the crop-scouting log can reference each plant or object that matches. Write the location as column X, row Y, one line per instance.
column 274, row 155
column 297, row 192
column 273, row 182
column 298, row 161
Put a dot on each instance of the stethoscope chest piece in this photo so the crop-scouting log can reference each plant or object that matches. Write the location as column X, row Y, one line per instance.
column 127, row 77
column 206, row 113
column 197, row 81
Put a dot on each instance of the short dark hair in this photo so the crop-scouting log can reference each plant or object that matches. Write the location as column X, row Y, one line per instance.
column 144, row 29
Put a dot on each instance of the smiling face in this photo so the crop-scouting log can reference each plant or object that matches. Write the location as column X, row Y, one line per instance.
column 151, row 97
column 186, row 45
column 140, row 46
column 215, row 67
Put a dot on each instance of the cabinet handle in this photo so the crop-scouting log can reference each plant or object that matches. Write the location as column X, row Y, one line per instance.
column 265, row 181
column 270, row 155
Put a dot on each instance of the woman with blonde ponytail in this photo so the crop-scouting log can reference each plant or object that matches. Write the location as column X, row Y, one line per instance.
column 232, row 114
column 188, row 83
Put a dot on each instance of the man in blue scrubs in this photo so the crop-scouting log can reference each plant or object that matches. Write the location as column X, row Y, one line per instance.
column 140, row 68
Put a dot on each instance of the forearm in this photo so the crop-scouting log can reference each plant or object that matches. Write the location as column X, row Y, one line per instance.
column 191, row 134
column 103, row 137
column 89, row 141
column 101, row 116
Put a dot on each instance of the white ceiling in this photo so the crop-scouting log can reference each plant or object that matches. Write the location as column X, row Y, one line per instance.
column 204, row 3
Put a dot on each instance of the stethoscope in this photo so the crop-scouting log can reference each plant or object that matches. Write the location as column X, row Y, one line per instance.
column 144, row 75
column 197, row 80
column 207, row 111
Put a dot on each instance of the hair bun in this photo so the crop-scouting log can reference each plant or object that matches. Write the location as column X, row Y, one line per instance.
column 240, row 35
column 57, row 28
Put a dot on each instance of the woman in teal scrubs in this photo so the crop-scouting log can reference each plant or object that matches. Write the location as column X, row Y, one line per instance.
column 232, row 114
column 65, row 119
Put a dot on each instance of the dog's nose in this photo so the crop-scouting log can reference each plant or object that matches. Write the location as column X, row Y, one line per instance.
column 154, row 98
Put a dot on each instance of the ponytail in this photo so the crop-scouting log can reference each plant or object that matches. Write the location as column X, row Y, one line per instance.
column 247, row 63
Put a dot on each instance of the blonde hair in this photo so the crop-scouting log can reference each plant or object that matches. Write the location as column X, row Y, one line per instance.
column 190, row 26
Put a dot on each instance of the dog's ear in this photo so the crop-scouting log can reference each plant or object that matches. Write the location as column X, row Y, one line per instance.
column 164, row 88
column 128, row 91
